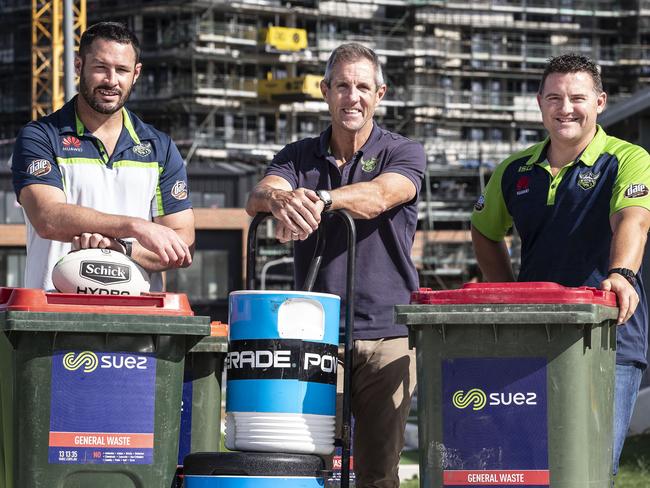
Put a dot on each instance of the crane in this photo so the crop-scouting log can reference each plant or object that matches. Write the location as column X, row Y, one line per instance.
column 48, row 51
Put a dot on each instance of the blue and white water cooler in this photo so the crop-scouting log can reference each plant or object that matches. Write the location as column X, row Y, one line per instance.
column 280, row 393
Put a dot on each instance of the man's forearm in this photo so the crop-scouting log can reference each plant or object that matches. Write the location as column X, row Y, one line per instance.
column 151, row 261
column 159, row 246
column 63, row 221
column 367, row 200
column 298, row 209
column 493, row 258
column 363, row 200
column 628, row 240
column 260, row 199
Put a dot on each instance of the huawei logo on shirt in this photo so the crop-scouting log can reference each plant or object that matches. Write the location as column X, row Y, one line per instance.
column 71, row 143
column 523, row 185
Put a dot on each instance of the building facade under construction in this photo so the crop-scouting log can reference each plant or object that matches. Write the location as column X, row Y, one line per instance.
column 234, row 81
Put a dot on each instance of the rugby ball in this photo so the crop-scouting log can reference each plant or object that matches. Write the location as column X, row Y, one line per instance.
column 99, row 272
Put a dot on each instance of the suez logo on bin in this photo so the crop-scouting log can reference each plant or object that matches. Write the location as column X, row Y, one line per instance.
column 478, row 399
column 282, row 359
column 89, row 362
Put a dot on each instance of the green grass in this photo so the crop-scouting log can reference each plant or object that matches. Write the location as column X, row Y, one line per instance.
column 409, row 457
column 414, row 483
column 634, row 470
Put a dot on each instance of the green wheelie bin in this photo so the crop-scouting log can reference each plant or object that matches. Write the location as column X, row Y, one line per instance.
column 201, row 408
column 515, row 384
column 90, row 387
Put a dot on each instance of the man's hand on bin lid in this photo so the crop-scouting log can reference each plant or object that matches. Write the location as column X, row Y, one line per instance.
column 626, row 295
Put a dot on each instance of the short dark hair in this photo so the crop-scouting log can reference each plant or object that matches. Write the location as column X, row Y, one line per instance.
column 573, row 63
column 109, row 31
column 353, row 51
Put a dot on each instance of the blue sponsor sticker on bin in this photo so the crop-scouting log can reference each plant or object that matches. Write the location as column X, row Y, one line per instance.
column 185, row 437
column 495, row 422
column 102, row 409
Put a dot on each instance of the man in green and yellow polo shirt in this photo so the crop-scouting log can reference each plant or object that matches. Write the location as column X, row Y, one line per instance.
column 580, row 201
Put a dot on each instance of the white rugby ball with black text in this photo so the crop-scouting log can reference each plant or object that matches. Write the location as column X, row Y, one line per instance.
column 99, row 272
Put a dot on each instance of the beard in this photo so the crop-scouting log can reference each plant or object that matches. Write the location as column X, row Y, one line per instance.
column 93, row 99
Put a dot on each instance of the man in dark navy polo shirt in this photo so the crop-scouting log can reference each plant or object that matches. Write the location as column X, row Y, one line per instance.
column 580, row 201
column 93, row 175
column 375, row 175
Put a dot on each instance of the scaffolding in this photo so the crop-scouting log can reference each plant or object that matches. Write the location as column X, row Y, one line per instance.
column 234, row 81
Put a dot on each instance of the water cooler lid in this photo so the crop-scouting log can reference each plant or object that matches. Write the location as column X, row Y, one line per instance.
column 252, row 464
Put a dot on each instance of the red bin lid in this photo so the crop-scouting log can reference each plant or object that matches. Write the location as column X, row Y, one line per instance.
column 218, row 329
column 517, row 293
column 36, row 300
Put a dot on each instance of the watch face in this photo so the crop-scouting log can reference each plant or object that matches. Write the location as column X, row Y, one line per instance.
column 324, row 195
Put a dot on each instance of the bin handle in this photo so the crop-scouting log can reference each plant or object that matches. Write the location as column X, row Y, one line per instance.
column 586, row 331
column 251, row 254
column 346, row 421
column 348, row 357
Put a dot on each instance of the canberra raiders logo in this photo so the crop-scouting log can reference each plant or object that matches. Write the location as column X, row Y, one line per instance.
column 588, row 180
column 368, row 165
column 142, row 149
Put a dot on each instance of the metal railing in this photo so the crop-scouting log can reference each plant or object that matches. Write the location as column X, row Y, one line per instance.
column 184, row 32
column 497, row 20
column 605, row 8
column 228, row 30
column 352, row 10
column 148, row 88
column 426, row 95
column 485, row 48
column 468, row 154
column 327, row 42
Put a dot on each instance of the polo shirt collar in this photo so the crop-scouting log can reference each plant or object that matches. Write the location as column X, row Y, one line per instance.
column 68, row 118
column 126, row 119
column 71, row 123
column 128, row 125
column 323, row 149
column 324, row 142
column 595, row 148
column 588, row 156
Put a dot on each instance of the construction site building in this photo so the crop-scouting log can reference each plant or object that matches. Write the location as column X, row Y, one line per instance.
column 234, row 81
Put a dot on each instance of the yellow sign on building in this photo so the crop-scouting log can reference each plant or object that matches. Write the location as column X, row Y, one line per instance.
column 283, row 38
column 306, row 87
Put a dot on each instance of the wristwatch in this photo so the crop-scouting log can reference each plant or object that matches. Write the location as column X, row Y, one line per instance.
column 325, row 197
column 127, row 245
column 626, row 273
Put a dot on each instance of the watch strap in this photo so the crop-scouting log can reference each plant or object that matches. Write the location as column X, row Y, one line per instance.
column 626, row 273
column 127, row 245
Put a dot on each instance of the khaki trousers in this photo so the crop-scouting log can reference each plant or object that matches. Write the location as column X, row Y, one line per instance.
column 383, row 380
